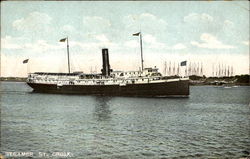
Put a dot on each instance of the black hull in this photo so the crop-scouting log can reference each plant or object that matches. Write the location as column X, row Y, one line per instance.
column 164, row 89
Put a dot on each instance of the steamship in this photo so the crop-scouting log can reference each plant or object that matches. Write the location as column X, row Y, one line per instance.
column 146, row 82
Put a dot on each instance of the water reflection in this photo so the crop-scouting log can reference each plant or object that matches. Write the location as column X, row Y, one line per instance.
column 102, row 110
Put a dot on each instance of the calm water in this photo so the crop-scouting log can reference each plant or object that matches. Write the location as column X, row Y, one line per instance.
column 212, row 123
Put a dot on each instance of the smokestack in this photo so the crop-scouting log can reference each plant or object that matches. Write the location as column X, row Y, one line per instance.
column 105, row 63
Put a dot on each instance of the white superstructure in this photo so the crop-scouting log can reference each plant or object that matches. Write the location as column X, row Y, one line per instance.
column 148, row 75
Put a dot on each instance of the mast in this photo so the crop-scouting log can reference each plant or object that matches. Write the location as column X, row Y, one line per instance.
column 213, row 70
column 189, row 69
column 174, row 69
column 165, row 68
column 68, row 54
column 63, row 40
column 178, row 70
column 201, row 68
column 139, row 34
column 141, row 51
column 219, row 70
column 198, row 69
column 232, row 71
column 170, row 69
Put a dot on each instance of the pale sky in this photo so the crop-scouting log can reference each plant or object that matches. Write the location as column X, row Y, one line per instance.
column 208, row 32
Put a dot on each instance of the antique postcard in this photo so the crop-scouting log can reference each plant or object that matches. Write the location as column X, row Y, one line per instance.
column 126, row 79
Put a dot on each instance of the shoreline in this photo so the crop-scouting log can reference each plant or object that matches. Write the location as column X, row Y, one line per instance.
column 226, row 85
column 12, row 79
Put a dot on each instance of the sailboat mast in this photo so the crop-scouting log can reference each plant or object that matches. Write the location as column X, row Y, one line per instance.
column 68, row 54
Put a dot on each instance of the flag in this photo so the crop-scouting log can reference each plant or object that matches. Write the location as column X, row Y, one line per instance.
column 63, row 40
column 137, row 34
column 25, row 61
column 183, row 63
